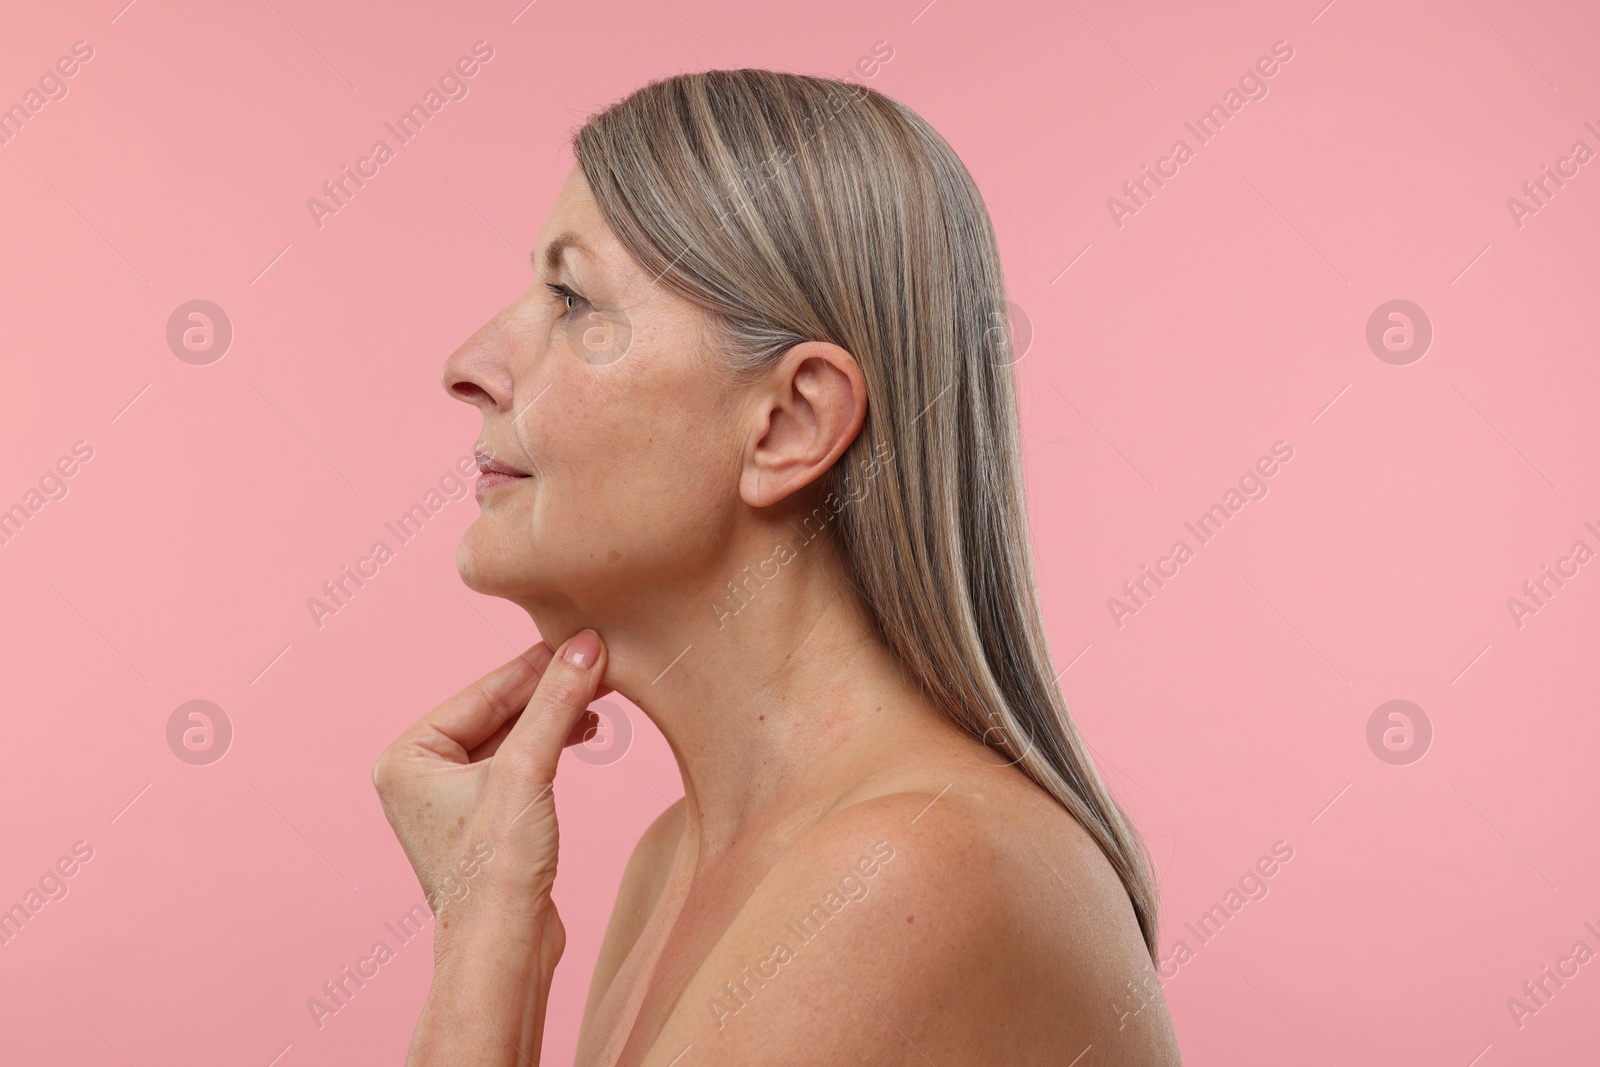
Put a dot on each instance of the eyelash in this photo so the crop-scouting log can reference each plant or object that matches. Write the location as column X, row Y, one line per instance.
column 566, row 294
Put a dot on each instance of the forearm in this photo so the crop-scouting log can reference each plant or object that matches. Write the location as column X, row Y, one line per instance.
column 487, row 1003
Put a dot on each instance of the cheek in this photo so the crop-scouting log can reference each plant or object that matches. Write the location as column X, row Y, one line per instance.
column 642, row 501
column 629, row 490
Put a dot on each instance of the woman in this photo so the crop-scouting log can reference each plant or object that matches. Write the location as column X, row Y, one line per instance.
column 754, row 426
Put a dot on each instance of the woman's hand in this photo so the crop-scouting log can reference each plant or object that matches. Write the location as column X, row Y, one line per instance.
column 468, row 791
column 467, row 788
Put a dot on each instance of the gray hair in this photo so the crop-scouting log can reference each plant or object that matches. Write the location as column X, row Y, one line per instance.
column 796, row 208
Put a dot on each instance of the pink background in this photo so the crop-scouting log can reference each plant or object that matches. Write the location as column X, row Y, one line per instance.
column 1229, row 313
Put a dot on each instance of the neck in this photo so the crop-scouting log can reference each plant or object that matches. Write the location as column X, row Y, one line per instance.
column 776, row 696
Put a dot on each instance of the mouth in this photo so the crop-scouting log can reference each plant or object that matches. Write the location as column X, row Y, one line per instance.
column 493, row 474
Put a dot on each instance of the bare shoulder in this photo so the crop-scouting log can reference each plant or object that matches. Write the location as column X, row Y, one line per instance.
column 973, row 922
column 640, row 890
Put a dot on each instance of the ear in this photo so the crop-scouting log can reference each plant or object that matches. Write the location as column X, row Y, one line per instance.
column 808, row 409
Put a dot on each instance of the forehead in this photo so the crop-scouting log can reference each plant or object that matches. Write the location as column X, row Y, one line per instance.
column 574, row 228
column 574, row 201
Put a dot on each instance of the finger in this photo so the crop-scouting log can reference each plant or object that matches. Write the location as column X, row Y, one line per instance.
column 474, row 714
column 571, row 681
column 491, row 744
column 478, row 718
column 587, row 726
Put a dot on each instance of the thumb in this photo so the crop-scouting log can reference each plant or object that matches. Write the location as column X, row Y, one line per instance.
column 570, row 682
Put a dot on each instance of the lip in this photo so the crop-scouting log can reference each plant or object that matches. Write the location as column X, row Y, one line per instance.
column 492, row 473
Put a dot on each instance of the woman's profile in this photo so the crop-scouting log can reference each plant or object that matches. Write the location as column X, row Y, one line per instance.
column 750, row 458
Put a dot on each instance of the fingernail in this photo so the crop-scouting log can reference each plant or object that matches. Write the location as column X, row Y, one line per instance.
column 583, row 650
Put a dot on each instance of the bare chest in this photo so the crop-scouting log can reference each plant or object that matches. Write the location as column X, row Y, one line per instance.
column 689, row 918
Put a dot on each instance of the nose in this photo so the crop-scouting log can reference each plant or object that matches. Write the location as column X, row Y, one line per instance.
column 479, row 371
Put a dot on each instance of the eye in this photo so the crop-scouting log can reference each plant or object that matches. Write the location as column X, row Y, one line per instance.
column 570, row 298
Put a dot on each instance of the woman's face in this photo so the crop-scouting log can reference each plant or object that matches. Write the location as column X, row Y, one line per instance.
column 624, row 445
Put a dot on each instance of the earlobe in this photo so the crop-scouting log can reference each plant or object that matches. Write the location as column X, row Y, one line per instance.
column 811, row 406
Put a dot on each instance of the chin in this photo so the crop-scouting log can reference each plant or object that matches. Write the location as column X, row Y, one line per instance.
column 561, row 573
column 487, row 569
column 506, row 571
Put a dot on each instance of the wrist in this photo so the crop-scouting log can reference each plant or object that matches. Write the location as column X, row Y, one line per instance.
column 506, row 939
column 491, row 987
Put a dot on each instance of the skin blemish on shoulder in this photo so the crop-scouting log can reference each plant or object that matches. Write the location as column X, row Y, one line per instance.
column 461, row 820
column 911, row 918
column 763, row 718
column 613, row 556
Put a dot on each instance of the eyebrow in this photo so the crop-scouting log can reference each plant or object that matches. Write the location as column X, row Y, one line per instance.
column 556, row 248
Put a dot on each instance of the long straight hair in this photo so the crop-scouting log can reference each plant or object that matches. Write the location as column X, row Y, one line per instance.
column 796, row 208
